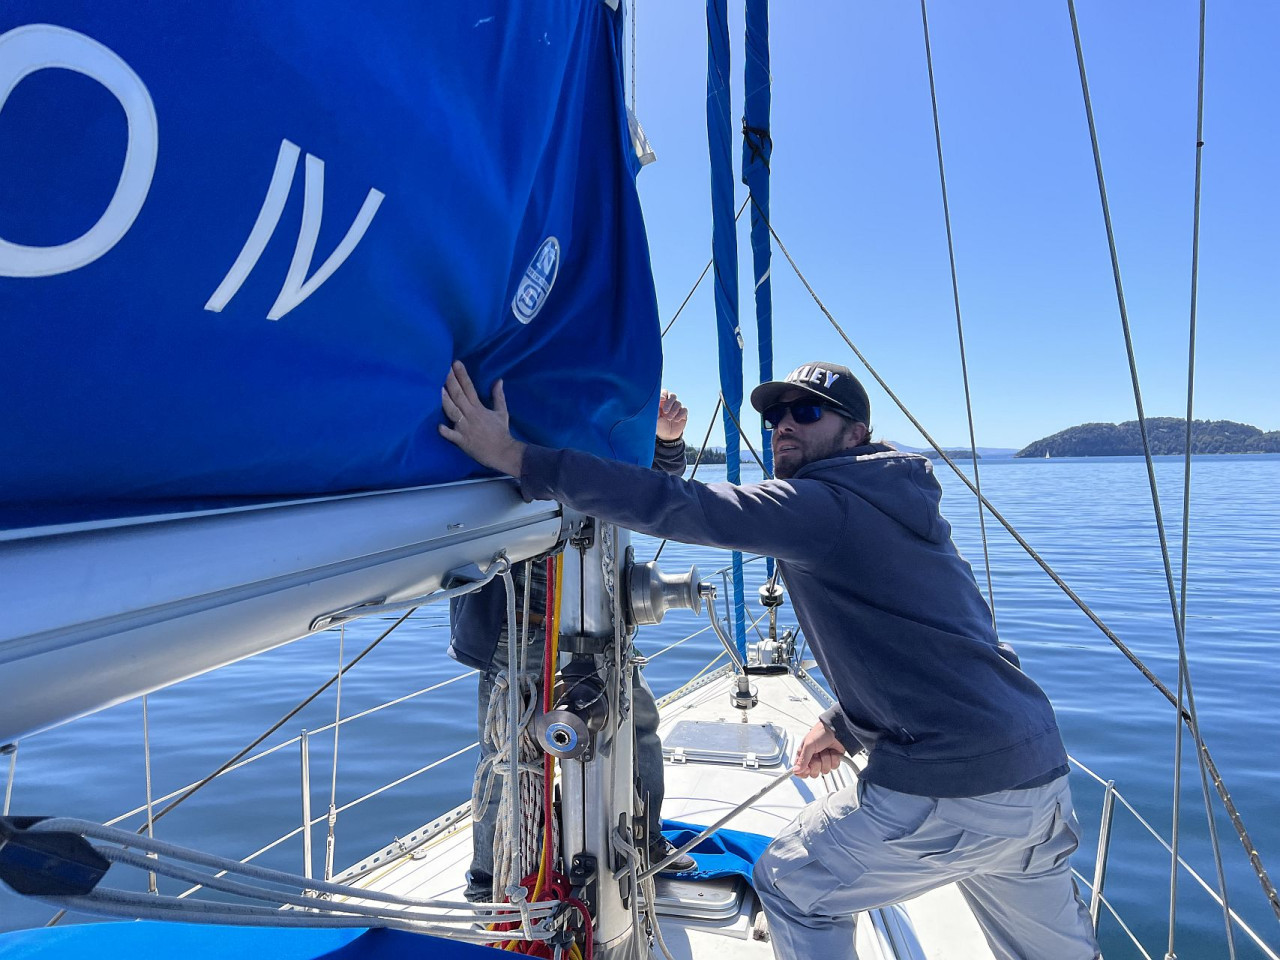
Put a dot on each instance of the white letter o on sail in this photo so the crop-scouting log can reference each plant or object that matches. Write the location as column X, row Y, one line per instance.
column 42, row 46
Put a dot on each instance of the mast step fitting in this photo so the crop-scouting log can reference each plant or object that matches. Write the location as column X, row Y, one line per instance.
column 744, row 695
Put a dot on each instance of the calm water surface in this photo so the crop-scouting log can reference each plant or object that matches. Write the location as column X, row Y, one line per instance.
column 1091, row 520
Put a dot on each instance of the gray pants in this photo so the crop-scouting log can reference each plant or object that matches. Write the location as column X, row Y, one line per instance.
column 649, row 772
column 1008, row 852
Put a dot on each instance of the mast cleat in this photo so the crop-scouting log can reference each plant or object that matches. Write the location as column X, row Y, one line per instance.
column 582, row 877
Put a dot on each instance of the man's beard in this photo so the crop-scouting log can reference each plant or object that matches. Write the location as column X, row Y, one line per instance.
column 793, row 463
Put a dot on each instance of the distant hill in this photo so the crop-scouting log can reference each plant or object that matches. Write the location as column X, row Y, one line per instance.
column 965, row 454
column 1167, row 436
column 717, row 454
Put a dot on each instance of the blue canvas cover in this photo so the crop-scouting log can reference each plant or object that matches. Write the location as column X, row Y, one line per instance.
column 726, row 853
column 165, row 941
column 241, row 242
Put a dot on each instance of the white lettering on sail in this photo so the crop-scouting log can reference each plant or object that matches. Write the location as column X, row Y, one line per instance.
column 297, row 287
column 42, row 46
column 295, row 290
column 263, row 227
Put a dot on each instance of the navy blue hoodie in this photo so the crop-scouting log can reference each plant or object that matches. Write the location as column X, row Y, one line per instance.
column 891, row 609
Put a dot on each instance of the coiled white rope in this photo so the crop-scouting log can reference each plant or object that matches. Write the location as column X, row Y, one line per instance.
column 518, row 825
column 514, row 856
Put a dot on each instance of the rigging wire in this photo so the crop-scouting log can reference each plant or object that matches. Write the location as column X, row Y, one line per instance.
column 146, row 765
column 319, row 730
column 1186, row 508
column 200, row 784
column 697, row 461
column 702, row 276
column 12, row 750
column 1215, row 776
column 746, row 440
column 777, row 571
column 955, row 296
column 330, row 839
column 441, row 595
column 1184, row 674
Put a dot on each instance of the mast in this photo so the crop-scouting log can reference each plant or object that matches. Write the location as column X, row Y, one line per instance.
column 598, row 807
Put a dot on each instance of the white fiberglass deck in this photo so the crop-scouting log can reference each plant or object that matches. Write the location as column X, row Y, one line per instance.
column 716, row 919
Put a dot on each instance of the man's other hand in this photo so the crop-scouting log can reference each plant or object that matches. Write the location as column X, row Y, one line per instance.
column 819, row 753
column 483, row 434
column 672, row 417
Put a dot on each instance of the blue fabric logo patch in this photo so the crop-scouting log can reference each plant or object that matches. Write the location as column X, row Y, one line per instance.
column 537, row 281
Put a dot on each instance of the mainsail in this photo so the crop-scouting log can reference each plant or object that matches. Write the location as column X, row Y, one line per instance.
column 240, row 245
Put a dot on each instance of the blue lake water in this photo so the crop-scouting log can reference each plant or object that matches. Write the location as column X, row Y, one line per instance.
column 1092, row 521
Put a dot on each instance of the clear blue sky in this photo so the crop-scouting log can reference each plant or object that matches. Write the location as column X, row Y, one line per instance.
column 857, row 202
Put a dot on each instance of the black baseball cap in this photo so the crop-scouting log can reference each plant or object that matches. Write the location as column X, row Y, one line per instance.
column 828, row 382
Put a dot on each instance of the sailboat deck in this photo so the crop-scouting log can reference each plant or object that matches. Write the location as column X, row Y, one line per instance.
column 717, row 918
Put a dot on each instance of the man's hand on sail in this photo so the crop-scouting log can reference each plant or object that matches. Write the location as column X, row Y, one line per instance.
column 484, row 434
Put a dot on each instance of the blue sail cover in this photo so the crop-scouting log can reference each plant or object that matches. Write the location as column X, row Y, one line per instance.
column 724, row 245
column 757, row 148
column 241, row 242
column 193, row 941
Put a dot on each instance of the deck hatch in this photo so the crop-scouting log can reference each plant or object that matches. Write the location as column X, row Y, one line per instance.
column 740, row 744
column 698, row 899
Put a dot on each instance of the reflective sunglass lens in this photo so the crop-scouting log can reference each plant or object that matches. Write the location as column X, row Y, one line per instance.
column 802, row 411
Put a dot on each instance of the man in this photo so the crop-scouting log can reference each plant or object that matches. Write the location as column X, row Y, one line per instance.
column 966, row 773
column 479, row 639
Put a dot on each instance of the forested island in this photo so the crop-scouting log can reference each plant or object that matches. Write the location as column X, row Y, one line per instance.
column 965, row 454
column 717, row 454
column 1167, row 436
column 709, row 455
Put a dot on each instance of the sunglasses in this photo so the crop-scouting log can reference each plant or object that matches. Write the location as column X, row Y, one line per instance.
column 802, row 412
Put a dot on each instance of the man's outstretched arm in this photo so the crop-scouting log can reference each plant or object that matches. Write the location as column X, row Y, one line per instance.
column 788, row 520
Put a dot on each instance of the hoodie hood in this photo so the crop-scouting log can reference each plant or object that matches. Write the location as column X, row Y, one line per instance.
column 899, row 485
